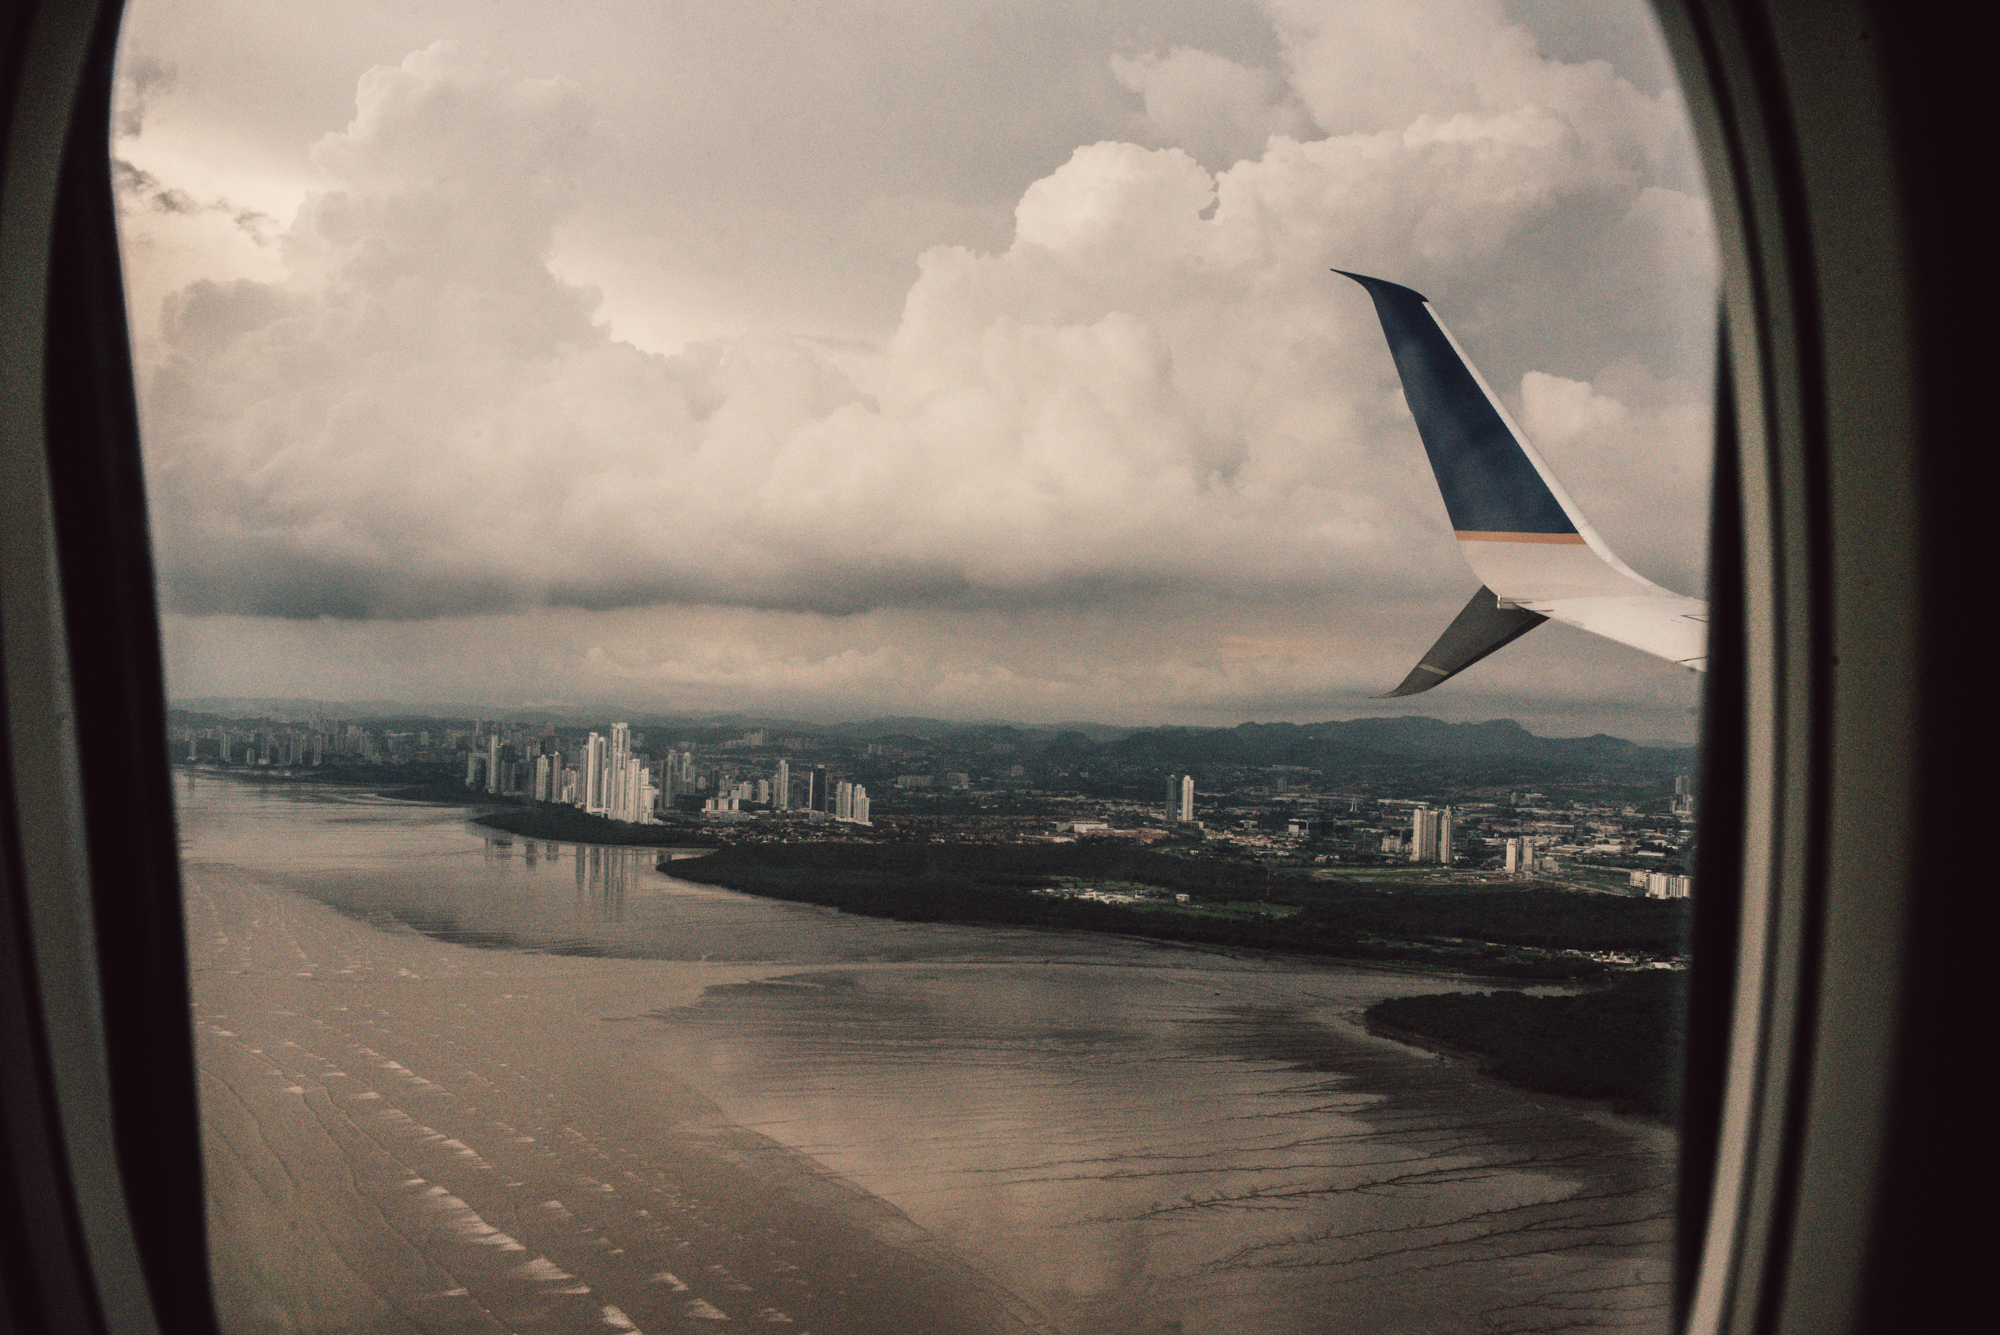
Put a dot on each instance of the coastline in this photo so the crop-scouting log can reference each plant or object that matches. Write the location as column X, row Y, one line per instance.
column 847, row 1125
column 965, row 897
column 565, row 825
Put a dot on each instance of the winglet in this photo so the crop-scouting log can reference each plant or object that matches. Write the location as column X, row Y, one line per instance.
column 1492, row 483
column 1536, row 554
column 1484, row 625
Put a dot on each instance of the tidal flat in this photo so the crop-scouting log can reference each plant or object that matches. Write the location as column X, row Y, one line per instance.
column 455, row 1080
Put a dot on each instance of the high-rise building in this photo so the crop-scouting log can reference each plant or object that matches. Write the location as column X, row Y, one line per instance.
column 632, row 778
column 1520, row 856
column 1180, row 799
column 1683, row 795
column 781, row 787
column 1664, row 885
column 620, row 794
column 858, row 806
column 592, row 778
column 493, row 763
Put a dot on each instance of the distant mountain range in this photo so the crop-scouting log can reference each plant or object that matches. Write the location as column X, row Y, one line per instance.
column 1404, row 738
column 1334, row 744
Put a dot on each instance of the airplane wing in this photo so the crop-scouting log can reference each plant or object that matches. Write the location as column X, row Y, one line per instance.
column 1517, row 528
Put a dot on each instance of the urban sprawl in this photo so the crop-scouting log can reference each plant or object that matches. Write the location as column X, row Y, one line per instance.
column 996, row 784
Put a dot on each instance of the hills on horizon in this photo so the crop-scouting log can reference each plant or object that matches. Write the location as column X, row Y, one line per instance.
column 1304, row 745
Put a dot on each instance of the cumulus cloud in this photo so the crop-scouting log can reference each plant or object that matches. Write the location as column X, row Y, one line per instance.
column 1556, row 411
column 1154, row 390
column 1212, row 106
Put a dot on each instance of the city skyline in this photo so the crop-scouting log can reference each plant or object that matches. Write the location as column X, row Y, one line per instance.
column 1617, row 819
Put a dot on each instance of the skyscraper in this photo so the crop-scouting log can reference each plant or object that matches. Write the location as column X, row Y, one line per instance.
column 781, row 788
column 624, row 802
column 1180, row 799
column 592, row 780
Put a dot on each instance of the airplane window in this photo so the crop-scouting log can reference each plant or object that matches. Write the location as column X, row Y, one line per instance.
column 884, row 666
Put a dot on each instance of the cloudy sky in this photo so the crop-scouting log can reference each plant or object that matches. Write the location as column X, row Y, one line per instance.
column 916, row 356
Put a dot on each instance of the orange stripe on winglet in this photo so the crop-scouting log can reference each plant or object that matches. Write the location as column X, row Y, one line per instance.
column 1576, row 538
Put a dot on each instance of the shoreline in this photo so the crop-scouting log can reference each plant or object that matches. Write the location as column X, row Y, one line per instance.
column 1590, row 972
column 403, row 1123
column 556, row 826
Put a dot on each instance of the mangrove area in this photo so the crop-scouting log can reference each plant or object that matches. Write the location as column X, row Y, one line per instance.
column 1113, row 886
column 1619, row 1044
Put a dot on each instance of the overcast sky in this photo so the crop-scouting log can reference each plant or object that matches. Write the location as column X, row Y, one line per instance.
column 910, row 357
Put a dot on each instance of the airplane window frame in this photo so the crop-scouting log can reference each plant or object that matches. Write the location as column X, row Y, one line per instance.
column 1828, row 995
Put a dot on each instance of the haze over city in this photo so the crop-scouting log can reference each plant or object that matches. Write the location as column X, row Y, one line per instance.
column 916, row 360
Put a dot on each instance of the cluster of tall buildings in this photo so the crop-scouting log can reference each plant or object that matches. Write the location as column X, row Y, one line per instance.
column 810, row 791
column 850, row 803
column 611, row 782
column 1663, row 885
column 608, row 778
column 1180, row 799
column 1430, row 835
column 317, row 741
